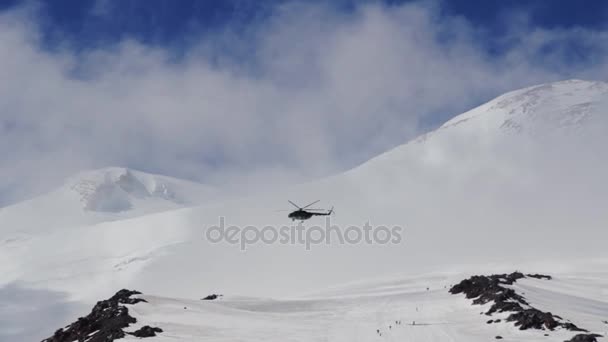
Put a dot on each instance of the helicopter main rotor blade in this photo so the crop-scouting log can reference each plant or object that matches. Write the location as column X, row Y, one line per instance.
column 311, row 204
column 295, row 205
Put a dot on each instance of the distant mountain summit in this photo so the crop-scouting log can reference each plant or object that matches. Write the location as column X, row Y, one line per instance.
column 556, row 105
column 567, row 116
column 120, row 189
column 101, row 195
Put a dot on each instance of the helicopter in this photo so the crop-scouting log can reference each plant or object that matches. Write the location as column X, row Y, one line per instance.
column 303, row 213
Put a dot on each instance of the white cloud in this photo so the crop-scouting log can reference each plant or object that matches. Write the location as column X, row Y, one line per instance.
column 320, row 91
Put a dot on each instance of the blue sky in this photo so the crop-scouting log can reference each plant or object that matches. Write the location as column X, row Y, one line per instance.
column 88, row 23
column 245, row 92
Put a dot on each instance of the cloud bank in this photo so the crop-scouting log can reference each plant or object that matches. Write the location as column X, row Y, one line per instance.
column 309, row 91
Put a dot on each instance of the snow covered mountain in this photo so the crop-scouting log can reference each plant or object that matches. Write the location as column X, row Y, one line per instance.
column 101, row 195
column 517, row 183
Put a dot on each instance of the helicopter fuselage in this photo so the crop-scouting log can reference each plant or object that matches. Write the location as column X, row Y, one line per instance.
column 305, row 215
column 300, row 215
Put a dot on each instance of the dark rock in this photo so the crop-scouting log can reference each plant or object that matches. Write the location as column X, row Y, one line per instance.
column 533, row 319
column 571, row 326
column 104, row 323
column 584, row 338
column 146, row 331
column 212, row 297
column 539, row 276
column 486, row 289
column 498, row 337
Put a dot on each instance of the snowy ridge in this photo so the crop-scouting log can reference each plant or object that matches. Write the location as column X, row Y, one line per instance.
column 559, row 104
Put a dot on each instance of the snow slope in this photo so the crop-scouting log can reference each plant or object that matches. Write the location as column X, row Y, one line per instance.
column 518, row 181
column 391, row 310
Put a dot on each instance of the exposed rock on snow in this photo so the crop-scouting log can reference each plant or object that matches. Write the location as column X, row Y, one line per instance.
column 584, row 338
column 485, row 289
column 105, row 323
column 212, row 297
column 539, row 276
column 147, row 331
column 536, row 319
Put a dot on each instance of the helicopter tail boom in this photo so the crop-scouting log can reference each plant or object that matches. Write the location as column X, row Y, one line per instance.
column 329, row 212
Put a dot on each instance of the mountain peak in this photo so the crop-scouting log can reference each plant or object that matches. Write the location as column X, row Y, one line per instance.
column 116, row 189
column 106, row 194
column 562, row 104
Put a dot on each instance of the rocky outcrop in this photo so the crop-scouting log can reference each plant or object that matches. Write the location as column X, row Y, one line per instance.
column 147, row 331
column 584, row 338
column 105, row 323
column 212, row 297
column 493, row 289
column 486, row 289
column 539, row 276
column 535, row 319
